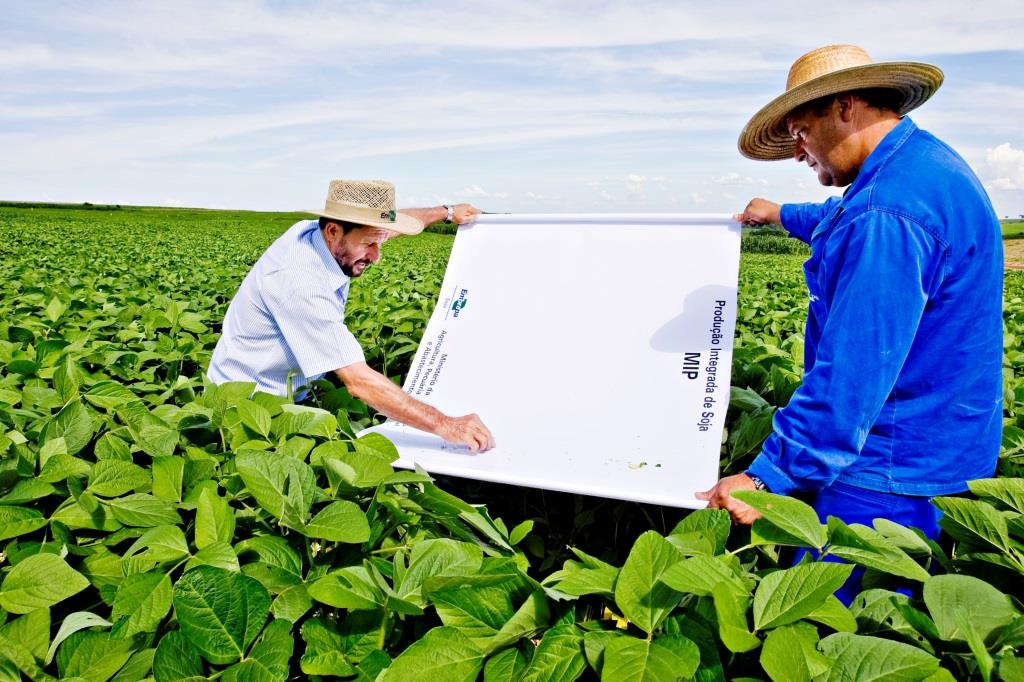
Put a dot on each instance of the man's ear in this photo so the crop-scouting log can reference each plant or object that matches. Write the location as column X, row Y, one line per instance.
column 845, row 103
column 332, row 231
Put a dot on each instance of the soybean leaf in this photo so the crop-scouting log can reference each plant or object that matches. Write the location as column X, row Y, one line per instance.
column 357, row 636
column 594, row 644
column 348, row 588
column 731, row 612
column 32, row 632
column 521, row 530
column 835, row 615
column 219, row 554
column 143, row 511
column 785, row 520
column 1011, row 668
column 156, row 438
column 113, row 477
column 324, row 654
column 907, row 539
column 255, row 417
column 443, row 653
column 215, row 520
column 506, row 666
column 79, row 620
column 788, row 595
column 177, row 660
column 559, row 656
column 782, row 656
column 870, row 658
column 437, row 557
column 73, row 424
column 93, row 656
column 162, row 543
column 666, row 658
column 589, row 575
column 21, row 658
column 639, row 592
column 168, row 476
column 283, row 486
column 1013, row 634
column 973, row 521
column 220, row 612
column 340, row 521
column 1008, row 491
column 700, row 574
column 137, row 668
column 477, row 610
column 292, row 603
column 142, row 601
column 27, row 490
column 977, row 645
column 15, row 521
column 39, row 581
column 532, row 616
column 268, row 660
column 711, row 523
column 986, row 608
column 861, row 545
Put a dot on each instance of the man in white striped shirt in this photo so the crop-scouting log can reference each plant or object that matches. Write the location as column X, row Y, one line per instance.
column 286, row 325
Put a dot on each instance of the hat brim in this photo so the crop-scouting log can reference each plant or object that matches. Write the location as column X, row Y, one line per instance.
column 403, row 224
column 765, row 136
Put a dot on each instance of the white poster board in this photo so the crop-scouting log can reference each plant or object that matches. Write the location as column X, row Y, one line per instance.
column 597, row 349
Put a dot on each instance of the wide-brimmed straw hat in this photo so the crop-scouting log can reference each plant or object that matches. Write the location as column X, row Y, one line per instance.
column 367, row 202
column 827, row 71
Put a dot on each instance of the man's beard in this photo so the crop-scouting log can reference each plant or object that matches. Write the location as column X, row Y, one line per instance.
column 352, row 269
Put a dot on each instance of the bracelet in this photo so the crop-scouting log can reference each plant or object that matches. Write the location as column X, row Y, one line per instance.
column 758, row 483
column 451, row 214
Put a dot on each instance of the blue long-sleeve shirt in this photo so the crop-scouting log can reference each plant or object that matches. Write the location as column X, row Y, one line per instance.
column 902, row 388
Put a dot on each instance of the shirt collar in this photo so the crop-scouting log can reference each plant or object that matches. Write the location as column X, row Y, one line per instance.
column 888, row 146
column 335, row 277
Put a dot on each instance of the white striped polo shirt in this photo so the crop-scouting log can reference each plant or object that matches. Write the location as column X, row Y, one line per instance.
column 288, row 317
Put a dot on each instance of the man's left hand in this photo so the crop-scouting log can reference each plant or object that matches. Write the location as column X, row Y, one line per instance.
column 720, row 497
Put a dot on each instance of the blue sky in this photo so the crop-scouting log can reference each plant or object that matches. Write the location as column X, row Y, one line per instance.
column 529, row 107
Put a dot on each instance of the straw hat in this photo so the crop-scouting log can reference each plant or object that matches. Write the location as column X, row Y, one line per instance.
column 827, row 71
column 367, row 202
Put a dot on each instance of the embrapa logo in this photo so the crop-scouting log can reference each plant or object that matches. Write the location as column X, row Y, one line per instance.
column 387, row 215
column 459, row 303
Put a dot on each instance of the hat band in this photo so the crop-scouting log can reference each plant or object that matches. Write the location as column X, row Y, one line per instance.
column 359, row 214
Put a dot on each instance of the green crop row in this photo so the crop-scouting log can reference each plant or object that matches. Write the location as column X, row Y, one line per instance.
column 154, row 527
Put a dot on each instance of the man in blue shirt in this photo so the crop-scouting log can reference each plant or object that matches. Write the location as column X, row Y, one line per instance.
column 901, row 398
column 286, row 325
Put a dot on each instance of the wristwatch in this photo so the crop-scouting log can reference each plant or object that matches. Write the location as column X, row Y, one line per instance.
column 758, row 483
column 451, row 214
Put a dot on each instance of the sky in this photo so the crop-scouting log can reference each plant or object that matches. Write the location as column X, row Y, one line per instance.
column 604, row 107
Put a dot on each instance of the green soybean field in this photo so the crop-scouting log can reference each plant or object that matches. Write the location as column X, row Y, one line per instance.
column 154, row 527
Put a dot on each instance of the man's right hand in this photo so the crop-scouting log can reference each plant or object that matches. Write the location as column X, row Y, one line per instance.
column 759, row 212
column 467, row 430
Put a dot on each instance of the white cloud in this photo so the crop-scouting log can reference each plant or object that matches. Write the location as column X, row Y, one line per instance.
column 732, row 178
column 1006, row 167
column 474, row 191
column 635, row 183
column 223, row 100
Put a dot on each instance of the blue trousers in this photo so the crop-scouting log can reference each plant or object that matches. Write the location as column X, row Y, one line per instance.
column 859, row 505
